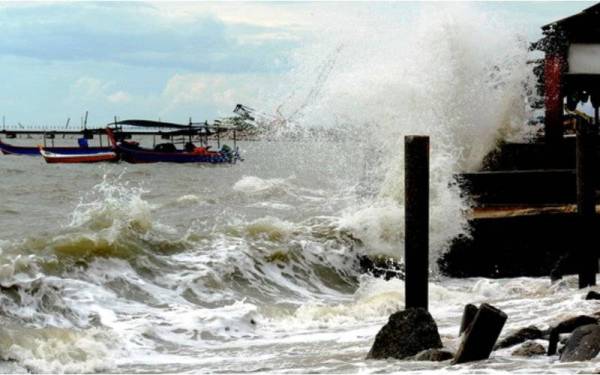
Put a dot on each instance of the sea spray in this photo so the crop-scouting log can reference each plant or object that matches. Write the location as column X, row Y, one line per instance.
column 452, row 72
column 112, row 204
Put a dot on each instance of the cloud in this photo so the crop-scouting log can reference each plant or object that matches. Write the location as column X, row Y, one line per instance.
column 95, row 89
column 190, row 92
column 141, row 35
column 90, row 87
column 119, row 97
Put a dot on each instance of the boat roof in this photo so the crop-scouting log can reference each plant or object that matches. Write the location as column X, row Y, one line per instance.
column 151, row 124
column 190, row 127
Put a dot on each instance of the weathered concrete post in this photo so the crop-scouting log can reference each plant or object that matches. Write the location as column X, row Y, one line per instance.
column 416, row 221
column 587, row 259
column 468, row 315
column 481, row 335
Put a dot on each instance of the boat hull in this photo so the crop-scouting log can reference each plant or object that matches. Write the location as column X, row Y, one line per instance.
column 54, row 158
column 8, row 149
column 140, row 155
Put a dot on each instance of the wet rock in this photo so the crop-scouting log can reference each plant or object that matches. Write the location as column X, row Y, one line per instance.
column 529, row 349
column 592, row 295
column 567, row 326
column 381, row 267
column 435, row 355
column 583, row 345
column 406, row 333
column 522, row 335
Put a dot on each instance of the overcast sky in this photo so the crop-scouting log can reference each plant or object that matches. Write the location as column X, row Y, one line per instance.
column 173, row 60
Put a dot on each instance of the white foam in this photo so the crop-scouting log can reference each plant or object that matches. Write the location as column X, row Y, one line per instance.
column 257, row 185
column 188, row 198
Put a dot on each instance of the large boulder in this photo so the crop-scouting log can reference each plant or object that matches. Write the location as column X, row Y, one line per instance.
column 567, row 326
column 529, row 349
column 583, row 345
column 522, row 335
column 406, row 333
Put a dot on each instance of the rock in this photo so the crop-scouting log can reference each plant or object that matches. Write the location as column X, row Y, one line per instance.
column 381, row 267
column 522, row 335
column 435, row 355
column 529, row 349
column 570, row 324
column 583, row 345
column 406, row 333
column 592, row 295
column 567, row 326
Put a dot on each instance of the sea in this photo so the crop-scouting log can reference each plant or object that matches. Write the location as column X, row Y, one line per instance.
column 253, row 266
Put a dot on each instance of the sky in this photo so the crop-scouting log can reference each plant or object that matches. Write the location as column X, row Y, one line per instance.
column 173, row 61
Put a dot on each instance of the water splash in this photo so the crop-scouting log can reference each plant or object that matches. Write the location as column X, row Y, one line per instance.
column 111, row 205
column 452, row 72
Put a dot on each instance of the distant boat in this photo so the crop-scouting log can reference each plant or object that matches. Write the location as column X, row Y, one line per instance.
column 52, row 157
column 131, row 152
column 7, row 149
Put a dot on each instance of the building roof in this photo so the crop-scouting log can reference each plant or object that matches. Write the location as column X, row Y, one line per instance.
column 583, row 27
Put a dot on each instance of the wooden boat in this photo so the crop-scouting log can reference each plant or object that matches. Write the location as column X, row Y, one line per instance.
column 52, row 157
column 131, row 152
column 8, row 149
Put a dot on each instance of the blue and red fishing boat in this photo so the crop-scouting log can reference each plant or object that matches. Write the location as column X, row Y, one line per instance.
column 8, row 149
column 54, row 158
column 132, row 152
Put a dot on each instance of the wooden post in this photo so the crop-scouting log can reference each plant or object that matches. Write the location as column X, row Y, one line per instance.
column 468, row 316
column 587, row 259
column 481, row 335
column 553, row 341
column 416, row 216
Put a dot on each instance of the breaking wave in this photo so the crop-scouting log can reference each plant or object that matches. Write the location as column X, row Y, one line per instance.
column 376, row 82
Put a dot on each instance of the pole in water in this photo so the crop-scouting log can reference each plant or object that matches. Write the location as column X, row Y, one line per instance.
column 586, row 158
column 416, row 221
